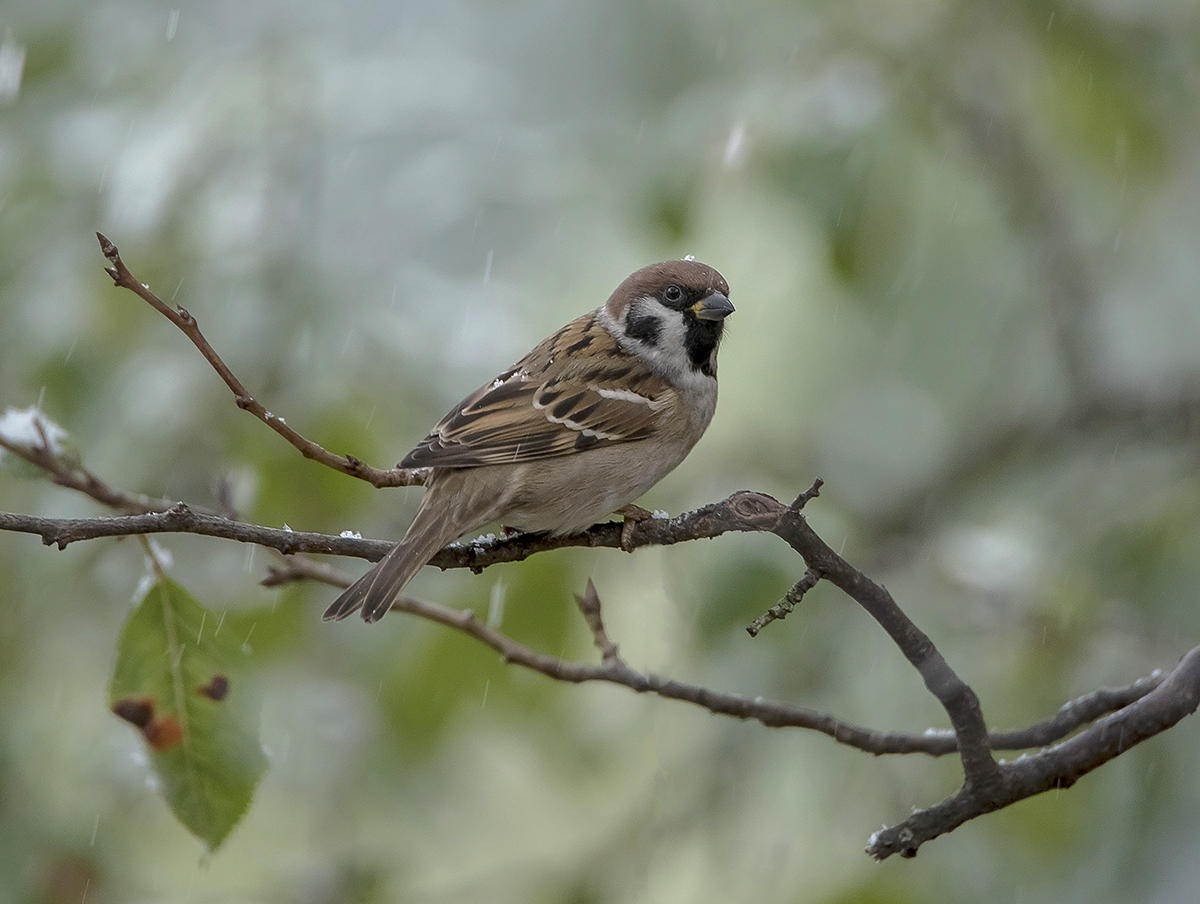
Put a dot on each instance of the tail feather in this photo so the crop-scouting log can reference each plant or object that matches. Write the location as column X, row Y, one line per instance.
column 376, row 590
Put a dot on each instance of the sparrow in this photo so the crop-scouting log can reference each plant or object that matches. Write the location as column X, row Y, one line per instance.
column 584, row 424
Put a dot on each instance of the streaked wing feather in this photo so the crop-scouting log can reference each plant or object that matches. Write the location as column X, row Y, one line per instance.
column 575, row 391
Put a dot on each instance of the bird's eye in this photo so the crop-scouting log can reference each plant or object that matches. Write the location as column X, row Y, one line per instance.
column 672, row 293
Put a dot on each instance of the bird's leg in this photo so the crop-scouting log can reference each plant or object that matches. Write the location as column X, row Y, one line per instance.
column 632, row 515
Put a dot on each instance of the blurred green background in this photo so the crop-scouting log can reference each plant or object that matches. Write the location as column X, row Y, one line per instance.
column 962, row 241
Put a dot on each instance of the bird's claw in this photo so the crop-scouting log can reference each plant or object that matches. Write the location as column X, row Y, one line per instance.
column 632, row 515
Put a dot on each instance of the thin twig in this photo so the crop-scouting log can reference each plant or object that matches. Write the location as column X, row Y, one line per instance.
column 811, row 493
column 790, row 601
column 76, row 477
column 589, row 605
column 1075, row 713
column 301, row 568
column 347, row 464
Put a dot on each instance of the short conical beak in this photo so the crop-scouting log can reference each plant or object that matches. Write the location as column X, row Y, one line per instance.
column 714, row 307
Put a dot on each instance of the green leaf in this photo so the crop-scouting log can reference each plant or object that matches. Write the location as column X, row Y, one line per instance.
column 178, row 680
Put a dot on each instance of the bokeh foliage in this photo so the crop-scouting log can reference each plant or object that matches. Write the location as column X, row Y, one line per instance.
column 961, row 239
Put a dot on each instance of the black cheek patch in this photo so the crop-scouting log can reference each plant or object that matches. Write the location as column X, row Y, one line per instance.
column 643, row 327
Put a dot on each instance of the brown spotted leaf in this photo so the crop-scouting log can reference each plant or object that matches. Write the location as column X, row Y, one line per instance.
column 176, row 680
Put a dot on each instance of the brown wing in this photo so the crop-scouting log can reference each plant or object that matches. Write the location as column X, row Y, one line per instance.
column 576, row 390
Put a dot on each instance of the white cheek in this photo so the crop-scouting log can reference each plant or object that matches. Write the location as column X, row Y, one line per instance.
column 669, row 355
column 673, row 332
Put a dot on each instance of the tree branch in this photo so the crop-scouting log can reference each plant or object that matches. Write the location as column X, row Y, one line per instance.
column 347, row 464
column 1060, row 766
column 78, row 478
column 706, row 522
column 742, row 511
column 956, row 697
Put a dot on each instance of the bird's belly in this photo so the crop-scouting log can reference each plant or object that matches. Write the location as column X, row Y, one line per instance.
column 568, row 494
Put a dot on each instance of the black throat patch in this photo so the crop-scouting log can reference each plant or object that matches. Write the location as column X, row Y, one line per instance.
column 700, row 341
